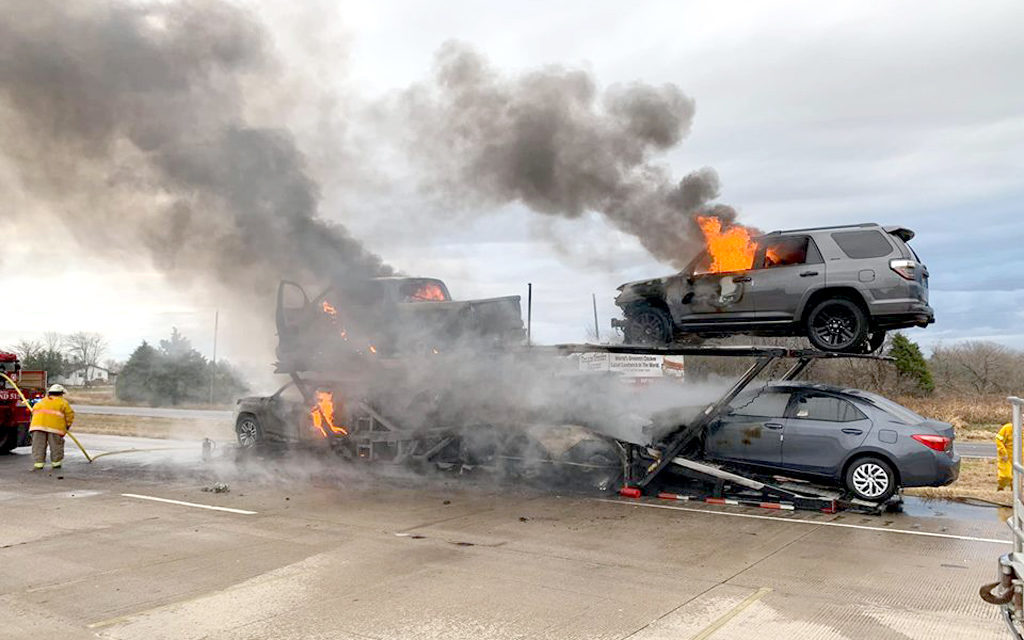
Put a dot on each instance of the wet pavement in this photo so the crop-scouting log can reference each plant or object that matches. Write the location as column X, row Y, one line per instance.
column 141, row 545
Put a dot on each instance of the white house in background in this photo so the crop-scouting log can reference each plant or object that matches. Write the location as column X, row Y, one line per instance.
column 86, row 374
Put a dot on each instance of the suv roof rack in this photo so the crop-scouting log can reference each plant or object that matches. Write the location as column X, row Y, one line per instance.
column 861, row 225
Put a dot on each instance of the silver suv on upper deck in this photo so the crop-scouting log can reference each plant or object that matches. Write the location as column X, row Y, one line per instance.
column 841, row 287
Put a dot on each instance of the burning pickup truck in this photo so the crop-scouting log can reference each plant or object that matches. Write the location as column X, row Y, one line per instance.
column 388, row 316
column 841, row 287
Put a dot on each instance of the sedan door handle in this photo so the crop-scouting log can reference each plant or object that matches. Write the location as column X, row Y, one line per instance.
column 741, row 279
column 853, row 432
column 772, row 425
column 808, row 274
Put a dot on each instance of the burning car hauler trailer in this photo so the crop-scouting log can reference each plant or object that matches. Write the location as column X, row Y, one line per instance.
column 14, row 415
column 425, row 420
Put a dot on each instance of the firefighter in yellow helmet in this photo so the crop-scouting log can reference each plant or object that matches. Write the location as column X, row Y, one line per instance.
column 1004, row 446
column 51, row 418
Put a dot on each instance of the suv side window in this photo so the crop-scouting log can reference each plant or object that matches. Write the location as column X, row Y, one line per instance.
column 788, row 250
column 863, row 244
column 827, row 408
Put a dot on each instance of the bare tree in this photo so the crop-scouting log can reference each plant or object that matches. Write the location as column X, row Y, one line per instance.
column 53, row 342
column 28, row 349
column 978, row 367
column 85, row 348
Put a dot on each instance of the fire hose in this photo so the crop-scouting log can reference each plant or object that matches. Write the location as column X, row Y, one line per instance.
column 75, row 440
column 29, row 406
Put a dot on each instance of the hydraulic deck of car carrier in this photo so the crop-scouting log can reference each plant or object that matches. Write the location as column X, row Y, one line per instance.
column 645, row 468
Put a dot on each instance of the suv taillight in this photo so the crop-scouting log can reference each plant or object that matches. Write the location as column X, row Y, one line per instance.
column 904, row 268
column 938, row 443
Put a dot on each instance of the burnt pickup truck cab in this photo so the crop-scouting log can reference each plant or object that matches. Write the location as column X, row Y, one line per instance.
column 387, row 316
column 841, row 287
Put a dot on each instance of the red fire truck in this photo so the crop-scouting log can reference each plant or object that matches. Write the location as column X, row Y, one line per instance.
column 14, row 415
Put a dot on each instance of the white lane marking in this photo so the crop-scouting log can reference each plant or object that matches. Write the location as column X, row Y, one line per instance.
column 190, row 504
column 801, row 521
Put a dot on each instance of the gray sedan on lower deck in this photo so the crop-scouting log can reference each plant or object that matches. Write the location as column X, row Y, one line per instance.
column 847, row 437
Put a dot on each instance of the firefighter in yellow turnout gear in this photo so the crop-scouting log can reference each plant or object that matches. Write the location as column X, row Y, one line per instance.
column 51, row 418
column 1004, row 447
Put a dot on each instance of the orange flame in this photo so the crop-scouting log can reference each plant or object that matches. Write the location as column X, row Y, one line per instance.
column 428, row 292
column 329, row 309
column 373, row 349
column 323, row 415
column 730, row 250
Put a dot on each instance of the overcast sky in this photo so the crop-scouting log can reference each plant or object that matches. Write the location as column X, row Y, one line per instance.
column 812, row 113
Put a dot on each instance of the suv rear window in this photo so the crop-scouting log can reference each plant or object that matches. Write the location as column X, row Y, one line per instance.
column 863, row 244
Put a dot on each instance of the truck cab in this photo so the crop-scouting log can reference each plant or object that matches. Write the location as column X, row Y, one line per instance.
column 14, row 415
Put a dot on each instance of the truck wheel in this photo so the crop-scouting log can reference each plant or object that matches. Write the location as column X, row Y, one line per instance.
column 8, row 440
column 648, row 325
column 871, row 479
column 248, row 431
column 837, row 324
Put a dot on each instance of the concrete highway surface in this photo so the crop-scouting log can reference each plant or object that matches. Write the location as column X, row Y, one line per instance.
column 976, row 449
column 306, row 546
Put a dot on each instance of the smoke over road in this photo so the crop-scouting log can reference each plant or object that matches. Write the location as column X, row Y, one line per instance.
column 127, row 121
column 550, row 140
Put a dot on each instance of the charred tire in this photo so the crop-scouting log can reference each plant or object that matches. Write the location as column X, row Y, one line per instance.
column 871, row 479
column 248, row 431
column 646, row 324
column 837, row 324
column 8, row 440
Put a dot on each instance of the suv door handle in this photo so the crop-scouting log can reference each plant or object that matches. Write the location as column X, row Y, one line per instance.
column 853, row 432
column 772, row 425
column 808, row 274
column 741, row 279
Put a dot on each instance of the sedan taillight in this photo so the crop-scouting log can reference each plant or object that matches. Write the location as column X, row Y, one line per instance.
column 906, row 269
column 938, row 443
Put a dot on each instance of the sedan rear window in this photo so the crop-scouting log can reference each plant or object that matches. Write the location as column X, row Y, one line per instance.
column 828, row 408
column 863, row 244
column 897, row 411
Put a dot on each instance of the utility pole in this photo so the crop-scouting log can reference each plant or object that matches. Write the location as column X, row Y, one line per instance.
column 213, row 369
column 529, row 312
column 597, row 332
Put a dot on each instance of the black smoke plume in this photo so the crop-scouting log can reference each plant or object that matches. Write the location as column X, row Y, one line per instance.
column 552, row 141
column 128, row 121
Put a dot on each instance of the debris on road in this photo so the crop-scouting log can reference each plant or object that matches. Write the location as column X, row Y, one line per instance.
column 220, row 487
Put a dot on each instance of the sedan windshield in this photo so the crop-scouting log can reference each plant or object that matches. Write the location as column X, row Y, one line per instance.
column 897, row 411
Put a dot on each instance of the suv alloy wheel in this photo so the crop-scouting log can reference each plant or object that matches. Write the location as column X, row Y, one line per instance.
column 837, row 324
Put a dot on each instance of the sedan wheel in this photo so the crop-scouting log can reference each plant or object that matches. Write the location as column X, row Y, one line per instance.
column 871, row 479
column 248, row 431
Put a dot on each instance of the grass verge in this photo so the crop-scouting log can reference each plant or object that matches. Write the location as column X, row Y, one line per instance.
column 147, row 427
column 977, row 480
